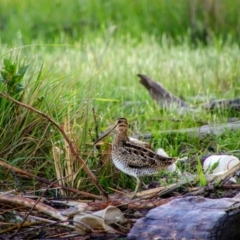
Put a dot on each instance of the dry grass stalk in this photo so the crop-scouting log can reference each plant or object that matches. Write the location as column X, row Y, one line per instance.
column 65, row 161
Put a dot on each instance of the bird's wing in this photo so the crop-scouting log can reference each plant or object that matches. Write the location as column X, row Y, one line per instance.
column 138, row 156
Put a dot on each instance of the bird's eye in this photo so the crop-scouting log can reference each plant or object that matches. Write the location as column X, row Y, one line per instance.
column 119, row 121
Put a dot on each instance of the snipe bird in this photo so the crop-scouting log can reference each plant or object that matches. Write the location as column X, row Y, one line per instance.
column 132, row 158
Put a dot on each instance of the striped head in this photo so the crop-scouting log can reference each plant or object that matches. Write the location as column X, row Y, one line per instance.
column 120, row 128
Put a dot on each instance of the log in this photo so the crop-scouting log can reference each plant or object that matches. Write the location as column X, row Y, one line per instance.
column 205, row 130
column 166, row 99
column 162, row 96
column 233, row 104
column 200, row 132
column 190, row 218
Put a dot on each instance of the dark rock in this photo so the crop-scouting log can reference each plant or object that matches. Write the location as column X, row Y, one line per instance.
column 190, row 218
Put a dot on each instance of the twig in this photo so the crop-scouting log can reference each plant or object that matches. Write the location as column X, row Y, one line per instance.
column 90, row 134
column 34, row 206
column 50, row 221
column 96, row 124
column 232, row 186
column 26, row 224
column 32, row 203
column 42, row 227
column 71, row 147
column 30, row 175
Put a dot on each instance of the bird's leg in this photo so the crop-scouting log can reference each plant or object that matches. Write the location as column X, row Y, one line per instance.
column 136, row 188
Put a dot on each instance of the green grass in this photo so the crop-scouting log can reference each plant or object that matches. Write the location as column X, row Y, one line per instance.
column 89, row 59
column 66, row 82
column 51, row 21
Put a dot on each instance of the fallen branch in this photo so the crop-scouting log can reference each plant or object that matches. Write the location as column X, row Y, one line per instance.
column 26, row 224
column 40, row 219
column 71, row 147
column 30, row 175
column 163, row 97
column 232, row 186
column 200, row 132
column 9, row 198
column 233, row 104
column 125, row 202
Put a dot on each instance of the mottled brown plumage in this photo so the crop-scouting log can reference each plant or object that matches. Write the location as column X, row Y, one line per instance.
column 133, row 158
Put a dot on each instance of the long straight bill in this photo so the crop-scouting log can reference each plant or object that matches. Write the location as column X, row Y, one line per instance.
column 105, row 135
